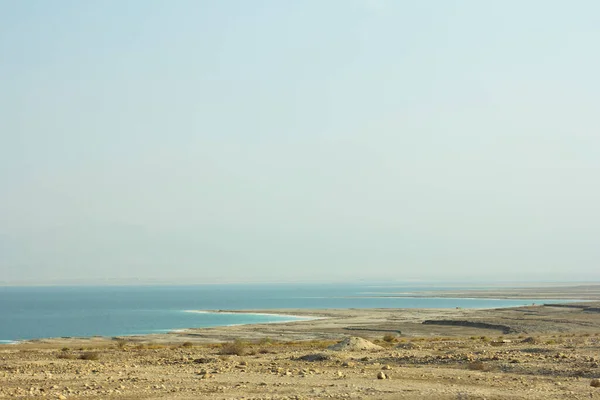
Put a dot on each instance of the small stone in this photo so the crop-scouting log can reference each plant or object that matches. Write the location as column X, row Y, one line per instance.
column 62, row 397
column 381, row 375
column 386, row 367
column 595, row 383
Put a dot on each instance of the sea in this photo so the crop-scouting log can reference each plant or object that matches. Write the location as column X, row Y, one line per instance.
column 84, row 311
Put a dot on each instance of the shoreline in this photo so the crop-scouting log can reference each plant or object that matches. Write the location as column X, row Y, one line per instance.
column 452, row 297
column 299, row 316
column 265, row 313
column 305, row 324
column 334, row 324
column 295, row 318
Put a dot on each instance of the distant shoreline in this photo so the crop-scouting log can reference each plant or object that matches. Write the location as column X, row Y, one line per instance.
column 493, row 285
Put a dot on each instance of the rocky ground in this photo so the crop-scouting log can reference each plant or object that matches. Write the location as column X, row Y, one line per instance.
column 538, row 352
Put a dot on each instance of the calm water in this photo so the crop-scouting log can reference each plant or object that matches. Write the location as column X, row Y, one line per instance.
column 39, row 312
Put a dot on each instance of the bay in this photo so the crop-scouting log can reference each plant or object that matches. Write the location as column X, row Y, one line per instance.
column 84, row 311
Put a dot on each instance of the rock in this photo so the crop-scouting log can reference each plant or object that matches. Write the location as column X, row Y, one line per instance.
column 381, row 375
column 595, row 383
column 314, row 357
column 386, row 367
column 62, row 397
column 204, row 360
column 408, row 346
column 355, row 344
column 530, row 340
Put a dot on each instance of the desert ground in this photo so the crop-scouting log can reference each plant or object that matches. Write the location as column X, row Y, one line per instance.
column 542, row 351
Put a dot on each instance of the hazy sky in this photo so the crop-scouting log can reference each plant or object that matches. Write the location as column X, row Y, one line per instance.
column 201, row 141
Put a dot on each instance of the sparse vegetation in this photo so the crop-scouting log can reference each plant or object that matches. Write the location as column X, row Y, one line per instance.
column 66, row 356
column 155, row 346
column 477, row 366
column 90, row 355
column 389, row 338
column 265, row 341
column 237, row 347
column 187, row 344
column 150, row 346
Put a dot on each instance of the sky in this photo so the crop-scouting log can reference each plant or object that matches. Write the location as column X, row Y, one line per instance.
column 152, row 141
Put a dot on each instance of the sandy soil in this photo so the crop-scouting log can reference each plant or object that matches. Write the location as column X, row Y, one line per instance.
column 535, row 352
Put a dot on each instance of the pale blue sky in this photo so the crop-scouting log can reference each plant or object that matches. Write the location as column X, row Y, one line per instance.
column 201, row 141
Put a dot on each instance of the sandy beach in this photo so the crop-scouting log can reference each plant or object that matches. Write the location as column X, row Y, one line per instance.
column 535, row 352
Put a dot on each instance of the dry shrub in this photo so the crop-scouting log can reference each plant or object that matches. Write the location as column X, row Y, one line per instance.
column 237, row 347
column 321, row 344
column 389, row 338
column 478, row 366
column 90, row 355
column 187, row 344
column 265, row 341
column 66, row 356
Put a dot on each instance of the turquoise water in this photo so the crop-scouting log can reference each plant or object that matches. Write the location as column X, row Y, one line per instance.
column 41, row 312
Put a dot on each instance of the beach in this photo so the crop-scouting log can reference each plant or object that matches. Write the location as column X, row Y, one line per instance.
column 534, row 352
